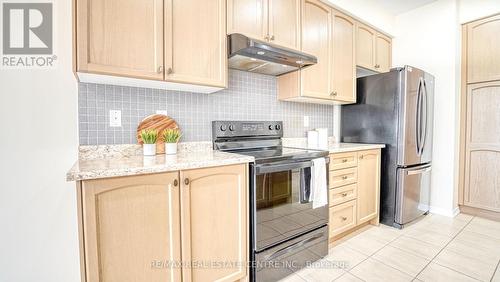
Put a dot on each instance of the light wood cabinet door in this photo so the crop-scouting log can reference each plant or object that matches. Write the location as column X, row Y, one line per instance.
column 196, row 42
column 120, row 37
column 365, row 46
column 214, row 222
column 483, row 54
column 284, row 23
column 131, row 227
column 316, row 40
column 344, row 65
column 368, row 185
column 383, row 50
column 248, row 17
column 482, row 146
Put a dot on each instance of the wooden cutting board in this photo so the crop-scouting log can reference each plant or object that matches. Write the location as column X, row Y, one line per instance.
column 160, row 123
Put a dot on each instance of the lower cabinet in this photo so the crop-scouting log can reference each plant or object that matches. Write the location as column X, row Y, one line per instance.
column 176, row 226
column 354, row 191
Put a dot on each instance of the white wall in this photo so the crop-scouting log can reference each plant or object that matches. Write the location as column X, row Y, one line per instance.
column 369, row 11
column 428, row 38
column 470, row 10
column 38, row 118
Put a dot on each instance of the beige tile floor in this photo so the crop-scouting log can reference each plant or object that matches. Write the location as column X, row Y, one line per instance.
column 435, row 248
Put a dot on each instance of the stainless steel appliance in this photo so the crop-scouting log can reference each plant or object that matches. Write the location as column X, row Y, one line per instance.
column 286, row 232
column 263, row 57
column 396, row 108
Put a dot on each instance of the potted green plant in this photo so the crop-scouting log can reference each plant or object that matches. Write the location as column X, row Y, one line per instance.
column 171, row 138
column 149, row 137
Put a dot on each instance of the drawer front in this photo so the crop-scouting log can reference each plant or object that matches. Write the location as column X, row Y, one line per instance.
column 342, row 194
column 343, row 160
column 343, row 177
column 342, row 218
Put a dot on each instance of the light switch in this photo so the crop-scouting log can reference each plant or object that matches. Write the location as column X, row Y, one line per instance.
column 115, row 118
column 306, row 121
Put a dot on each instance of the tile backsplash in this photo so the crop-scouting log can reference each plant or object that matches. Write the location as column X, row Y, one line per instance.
column 249, row 97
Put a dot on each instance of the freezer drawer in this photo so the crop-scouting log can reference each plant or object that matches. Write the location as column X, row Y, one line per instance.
column 412, row 193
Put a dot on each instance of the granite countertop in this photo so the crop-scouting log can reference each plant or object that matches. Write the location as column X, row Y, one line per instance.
column 86, row 169
column 351, row 147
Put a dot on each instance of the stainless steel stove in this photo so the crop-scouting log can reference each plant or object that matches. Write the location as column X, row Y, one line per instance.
column 286, row 232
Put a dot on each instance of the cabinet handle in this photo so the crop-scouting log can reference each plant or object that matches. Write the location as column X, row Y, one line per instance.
column 361, row 157
column 170, row 71
column 344, row 194
column 343, row 218
column 176, row 182
column 186, row 181
column 272, row 37
column 344, row 160
column 377, row 66
column 160, row 69
column 344, row 177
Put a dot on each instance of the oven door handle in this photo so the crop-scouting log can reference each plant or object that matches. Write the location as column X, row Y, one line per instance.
column 266, row 168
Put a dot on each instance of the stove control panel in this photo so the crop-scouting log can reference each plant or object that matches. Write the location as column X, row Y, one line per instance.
column 246, row 129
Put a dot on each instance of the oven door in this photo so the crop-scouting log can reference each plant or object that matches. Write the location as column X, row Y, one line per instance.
column 282, row 205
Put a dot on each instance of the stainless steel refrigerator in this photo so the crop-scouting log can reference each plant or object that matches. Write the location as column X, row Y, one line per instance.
column 396, row 108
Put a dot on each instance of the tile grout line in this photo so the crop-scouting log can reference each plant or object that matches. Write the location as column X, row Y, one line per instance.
column 494, row 272
column 432, row 260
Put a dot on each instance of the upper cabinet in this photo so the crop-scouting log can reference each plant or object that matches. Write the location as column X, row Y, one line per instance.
column 330, row 36
column 195, row 45
column 316, row 40
column 343, row 67
column 173, row 41
column 483, row 54
column 120, row 37
column 275, row 21
column 373, row 49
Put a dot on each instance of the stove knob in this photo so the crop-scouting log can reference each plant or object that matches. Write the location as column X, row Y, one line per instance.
column 223, row 128
column 231, row 127
column 278, row 127
column 271, row 127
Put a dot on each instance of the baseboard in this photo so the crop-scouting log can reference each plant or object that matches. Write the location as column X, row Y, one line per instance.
column 480, row 212
column 444, row 212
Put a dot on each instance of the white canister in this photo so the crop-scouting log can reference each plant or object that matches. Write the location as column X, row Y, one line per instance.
column 149, row 149
column 322, row 138
column 312, row 139
column 170, row 148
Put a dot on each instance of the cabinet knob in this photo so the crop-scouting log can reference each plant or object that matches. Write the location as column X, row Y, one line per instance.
column 186, row 181
column 272, row 37
column 361, row 157
column 334, row 93
column 377, row 66
column 266, row 37
column 170, row 71
column 176, row 182
column 344, row 177
column 344, row 160
column 160, row 69
column 343, row 218
column 344, row 194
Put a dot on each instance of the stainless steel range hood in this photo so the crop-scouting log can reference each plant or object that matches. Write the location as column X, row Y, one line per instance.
column 253, row 55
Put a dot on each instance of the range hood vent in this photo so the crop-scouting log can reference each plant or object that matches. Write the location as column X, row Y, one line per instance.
column 253, row 55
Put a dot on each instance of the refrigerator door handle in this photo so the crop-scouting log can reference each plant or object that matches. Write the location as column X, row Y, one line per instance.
column 418, row 118
column 424, row 117
column 419, row 171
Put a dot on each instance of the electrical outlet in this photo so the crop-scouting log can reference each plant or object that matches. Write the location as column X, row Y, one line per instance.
column 306, row 121
column 115, row 118
column 161, row 112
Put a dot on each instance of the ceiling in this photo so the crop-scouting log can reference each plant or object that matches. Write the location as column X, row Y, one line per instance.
column 396, row 7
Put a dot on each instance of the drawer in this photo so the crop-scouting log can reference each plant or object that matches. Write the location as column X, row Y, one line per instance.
column 343, row 177
column 342, row 218
column 342, row 194
column 343, row 160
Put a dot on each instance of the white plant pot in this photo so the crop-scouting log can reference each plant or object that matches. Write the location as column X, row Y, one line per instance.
column 149, row 149
column 170, row 148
